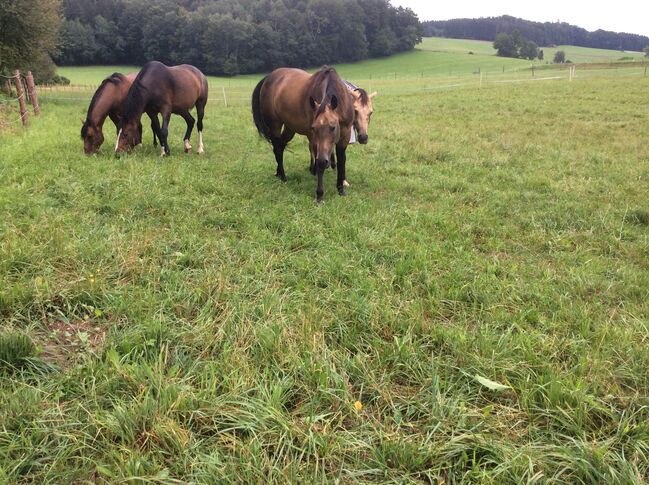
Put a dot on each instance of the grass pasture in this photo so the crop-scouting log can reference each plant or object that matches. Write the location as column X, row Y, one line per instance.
column 474, row 311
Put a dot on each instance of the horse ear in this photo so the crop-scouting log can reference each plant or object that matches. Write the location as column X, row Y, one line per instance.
column 83, row 122
column 334, row 102
column 373, row 94
column 312, row 103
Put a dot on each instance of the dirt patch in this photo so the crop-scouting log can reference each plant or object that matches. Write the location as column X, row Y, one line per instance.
column 65, row 343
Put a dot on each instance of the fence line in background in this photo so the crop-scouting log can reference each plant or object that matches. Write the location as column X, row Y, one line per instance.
column 238, row 94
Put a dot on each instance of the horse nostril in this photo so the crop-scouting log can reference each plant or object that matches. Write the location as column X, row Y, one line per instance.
column 363, row 139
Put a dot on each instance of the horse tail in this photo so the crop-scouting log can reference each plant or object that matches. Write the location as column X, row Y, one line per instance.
column 257, row 116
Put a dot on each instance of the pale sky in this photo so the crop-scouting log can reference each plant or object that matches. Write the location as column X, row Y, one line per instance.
column 621, row 16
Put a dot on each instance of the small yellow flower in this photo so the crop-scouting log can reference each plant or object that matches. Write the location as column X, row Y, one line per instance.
column 91, row 279
column 358, row 405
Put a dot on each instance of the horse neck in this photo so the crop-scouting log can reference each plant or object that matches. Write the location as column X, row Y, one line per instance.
column 137, row 103
column 103, row 106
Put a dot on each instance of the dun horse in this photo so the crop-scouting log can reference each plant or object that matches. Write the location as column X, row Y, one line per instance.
column 318, row 106
column 106, row 103
column 166, row 90
column 362, row 110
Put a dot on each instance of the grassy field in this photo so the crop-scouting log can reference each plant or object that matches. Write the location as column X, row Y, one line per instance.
column 485, row 48
column 474, row 311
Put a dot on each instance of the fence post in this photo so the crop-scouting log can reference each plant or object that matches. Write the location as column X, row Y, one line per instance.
column 24, row 114
column 225, row 100
column 480, row 80
column 31, row 89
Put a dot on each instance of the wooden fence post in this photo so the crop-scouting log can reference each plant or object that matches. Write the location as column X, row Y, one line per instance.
column 31, row 88
column 24, row 114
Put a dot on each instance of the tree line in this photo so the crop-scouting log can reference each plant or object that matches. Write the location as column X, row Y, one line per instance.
column 228, row 37
column 542, row 33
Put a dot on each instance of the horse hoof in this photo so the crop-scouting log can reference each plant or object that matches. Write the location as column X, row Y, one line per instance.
column 200, row 151
column 319, row 202
column 188, row 150
column 342, row 191
column 281, row 177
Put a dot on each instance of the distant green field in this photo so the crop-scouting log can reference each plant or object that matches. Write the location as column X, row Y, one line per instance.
column 434, row 57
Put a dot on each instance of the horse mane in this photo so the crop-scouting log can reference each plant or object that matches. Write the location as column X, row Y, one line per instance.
column 328, row 80
column 364, row 97
column 135, row 99
column 115, row 78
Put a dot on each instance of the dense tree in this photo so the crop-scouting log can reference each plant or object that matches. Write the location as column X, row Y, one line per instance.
column 28, row 33
column 646, row 51
column 543, row 33
column 505, row 46
column 515, row 45
column 559, row 57
column 235, row 36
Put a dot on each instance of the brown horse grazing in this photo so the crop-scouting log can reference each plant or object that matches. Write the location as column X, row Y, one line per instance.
column 318, row 106
column 166, row 90
column 106, row 102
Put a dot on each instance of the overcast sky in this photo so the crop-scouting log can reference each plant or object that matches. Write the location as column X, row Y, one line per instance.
column 620, row 16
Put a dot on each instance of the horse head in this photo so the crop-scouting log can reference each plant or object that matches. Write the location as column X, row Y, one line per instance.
column 362, row 113
column 325, row 130
column 129, row 135
column 92, row 137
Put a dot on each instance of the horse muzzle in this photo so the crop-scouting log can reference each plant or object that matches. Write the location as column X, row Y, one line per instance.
column 322, row 164
column 362, row 139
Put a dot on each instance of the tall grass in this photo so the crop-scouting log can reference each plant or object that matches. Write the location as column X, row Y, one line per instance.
column 481, row 292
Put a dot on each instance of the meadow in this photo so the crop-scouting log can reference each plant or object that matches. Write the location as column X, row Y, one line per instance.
column 474, row 311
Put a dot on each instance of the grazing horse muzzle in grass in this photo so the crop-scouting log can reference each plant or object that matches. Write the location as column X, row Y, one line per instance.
column 290, row 101
column 107, row 102
column 166, row 90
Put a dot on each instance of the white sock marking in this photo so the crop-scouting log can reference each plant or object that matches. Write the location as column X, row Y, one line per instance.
column 200, row 142
column 117, row 142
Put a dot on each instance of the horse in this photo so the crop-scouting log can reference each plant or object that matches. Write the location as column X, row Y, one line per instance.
column 166, row 90
column 318, row 106
column 362, row 110
column 106, row 103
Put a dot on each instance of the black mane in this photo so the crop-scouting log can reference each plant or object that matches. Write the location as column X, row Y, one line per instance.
column 135, row 97
column 364, row 97
column 326, row 79
column 115, row 78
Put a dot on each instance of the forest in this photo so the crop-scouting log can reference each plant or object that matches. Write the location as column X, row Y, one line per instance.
column 543, row 33
column 229, row 37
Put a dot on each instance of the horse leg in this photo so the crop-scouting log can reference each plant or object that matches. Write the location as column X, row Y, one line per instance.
column 342, row 159
column 200, row 112
column 164, row 133
column 155, row 127
column 278, row 150
column 189, row 119
column 312, row 151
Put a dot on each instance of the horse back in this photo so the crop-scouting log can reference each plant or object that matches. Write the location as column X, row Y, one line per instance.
column 284, row 99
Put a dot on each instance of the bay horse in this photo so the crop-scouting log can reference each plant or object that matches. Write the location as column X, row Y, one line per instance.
column 165, row 90
column 318, row 106
column 106, row 103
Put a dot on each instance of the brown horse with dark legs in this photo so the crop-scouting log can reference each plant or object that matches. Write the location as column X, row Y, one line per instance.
column 166, row 90
column 318, row 106
column 106, row 103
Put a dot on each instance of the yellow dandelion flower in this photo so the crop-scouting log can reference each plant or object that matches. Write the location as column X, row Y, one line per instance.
column 358, row 405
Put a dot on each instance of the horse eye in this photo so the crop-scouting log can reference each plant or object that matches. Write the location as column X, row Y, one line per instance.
column 332, row 128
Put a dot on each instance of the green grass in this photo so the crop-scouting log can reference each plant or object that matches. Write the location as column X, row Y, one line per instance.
column 195, row 320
